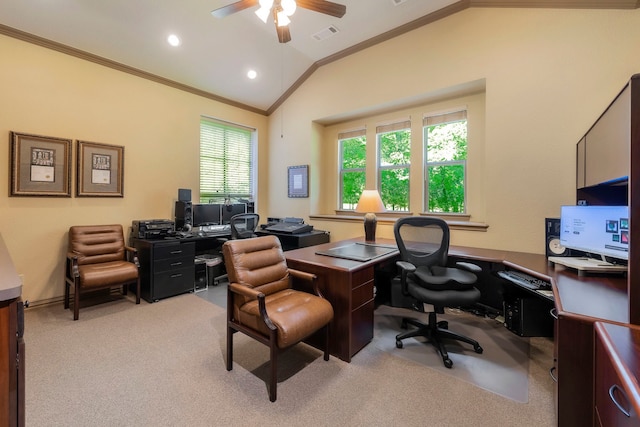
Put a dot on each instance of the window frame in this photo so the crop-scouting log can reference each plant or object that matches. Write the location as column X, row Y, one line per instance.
column 441, row 118
column 342, row 137
column 402, row 125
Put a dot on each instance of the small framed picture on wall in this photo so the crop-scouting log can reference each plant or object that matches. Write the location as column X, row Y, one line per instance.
column 298, row 181
column 100, row 170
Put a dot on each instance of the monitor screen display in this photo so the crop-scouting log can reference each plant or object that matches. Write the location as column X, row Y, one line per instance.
column 596, row 230
column 230, row 210
column 207, row 215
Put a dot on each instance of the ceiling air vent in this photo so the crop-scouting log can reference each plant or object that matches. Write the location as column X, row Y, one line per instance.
column 397, row 2
column 325, row 33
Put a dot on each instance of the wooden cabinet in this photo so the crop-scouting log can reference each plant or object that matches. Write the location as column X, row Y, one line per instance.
column 617, row 369
column 12, row 371
column 167, row 267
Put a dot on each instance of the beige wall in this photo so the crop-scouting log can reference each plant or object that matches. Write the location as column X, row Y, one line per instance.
column 549, row 74
column 48, row 93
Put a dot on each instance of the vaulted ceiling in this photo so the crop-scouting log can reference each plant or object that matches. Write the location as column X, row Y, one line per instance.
column 215, row 54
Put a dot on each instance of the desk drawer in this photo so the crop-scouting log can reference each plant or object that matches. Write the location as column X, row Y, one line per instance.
column 361, row 277
column 174, row 282
column 362, row 295
column 170, row 264
column 175, row 250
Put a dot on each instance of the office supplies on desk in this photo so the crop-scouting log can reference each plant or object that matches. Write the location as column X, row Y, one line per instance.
column 358, row 252
column 291, row 228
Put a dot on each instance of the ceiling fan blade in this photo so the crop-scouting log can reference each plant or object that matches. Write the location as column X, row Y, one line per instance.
column 284, row 35
column 227, row 10
column 323, row 6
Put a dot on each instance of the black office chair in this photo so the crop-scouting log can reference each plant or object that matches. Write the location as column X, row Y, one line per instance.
column 423, row 243
column 243, row 226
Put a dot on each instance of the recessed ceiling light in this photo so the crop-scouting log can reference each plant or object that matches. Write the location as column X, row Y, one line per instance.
column 252, row 74
column 173, row 40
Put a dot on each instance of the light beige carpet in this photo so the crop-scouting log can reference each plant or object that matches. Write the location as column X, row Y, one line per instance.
column 502, row 368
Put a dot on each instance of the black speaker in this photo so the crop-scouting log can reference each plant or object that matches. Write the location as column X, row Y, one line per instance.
column 183, row 215
column 184, row 194
column 552, row 238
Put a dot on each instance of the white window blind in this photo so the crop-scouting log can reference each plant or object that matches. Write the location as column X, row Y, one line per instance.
column 226, row 161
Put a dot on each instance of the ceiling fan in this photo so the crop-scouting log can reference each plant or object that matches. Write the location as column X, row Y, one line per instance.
column 281, row 10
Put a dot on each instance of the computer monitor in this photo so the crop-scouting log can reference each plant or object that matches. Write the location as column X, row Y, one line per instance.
column 230, row 210
column 207, row 215
column 598, row 231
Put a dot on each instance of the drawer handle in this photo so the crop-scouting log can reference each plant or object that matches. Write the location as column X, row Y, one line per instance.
column 552, row 373
column 175, row 264
column 173, row 276
column 176, row 252
column 612, row 389
column 554, row 313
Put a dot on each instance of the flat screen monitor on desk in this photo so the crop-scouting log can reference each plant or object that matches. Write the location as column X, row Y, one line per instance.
column 210, row 214
column 598, row 231
column 229, row 211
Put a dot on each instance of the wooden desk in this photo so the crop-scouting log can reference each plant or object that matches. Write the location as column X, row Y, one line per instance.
column 349, row 286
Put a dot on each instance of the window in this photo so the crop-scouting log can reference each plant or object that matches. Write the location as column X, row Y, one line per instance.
column 226, row 162
column 445, row 137
column 353, row 157
column 394, row 158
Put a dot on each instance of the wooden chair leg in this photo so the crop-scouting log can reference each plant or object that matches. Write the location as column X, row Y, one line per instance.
column 229, row 348
column 326, row 342
column 274, row 372
column 76, row 301
column 66, row 295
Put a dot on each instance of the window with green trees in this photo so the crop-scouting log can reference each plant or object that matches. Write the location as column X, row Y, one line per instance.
column 353, row 159
column 445, row 137
column 394, row 160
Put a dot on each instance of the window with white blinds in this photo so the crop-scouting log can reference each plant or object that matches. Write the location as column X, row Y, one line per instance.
column 226, row 161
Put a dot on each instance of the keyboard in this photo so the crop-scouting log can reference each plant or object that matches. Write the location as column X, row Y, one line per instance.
column 523, row 279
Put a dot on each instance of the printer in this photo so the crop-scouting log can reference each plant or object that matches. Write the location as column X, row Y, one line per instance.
column 152, row 228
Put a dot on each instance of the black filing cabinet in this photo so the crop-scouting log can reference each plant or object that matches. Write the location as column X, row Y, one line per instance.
column 167, row 267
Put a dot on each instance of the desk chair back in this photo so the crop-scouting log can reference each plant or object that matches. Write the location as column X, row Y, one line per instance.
column 243, row 226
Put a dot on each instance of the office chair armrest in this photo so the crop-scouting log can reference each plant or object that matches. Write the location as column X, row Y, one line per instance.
column 473, row 268
column 406, row 266
column 253, row 294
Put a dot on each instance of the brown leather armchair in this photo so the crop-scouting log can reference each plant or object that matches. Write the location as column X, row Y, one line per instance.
column 97, row 258
column 262, row 304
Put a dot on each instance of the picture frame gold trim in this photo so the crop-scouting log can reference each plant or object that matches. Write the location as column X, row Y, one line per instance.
column 40, row 166
column 100, row 170
column 298, row 181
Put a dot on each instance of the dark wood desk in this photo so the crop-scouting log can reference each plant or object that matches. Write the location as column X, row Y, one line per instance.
column 579, row 303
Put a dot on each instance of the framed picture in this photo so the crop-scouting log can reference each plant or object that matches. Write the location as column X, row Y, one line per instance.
column 40, row 166
column 100, row 170
column 299, row 181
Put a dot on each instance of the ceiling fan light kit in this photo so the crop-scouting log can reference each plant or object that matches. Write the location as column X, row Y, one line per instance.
column 281, row 10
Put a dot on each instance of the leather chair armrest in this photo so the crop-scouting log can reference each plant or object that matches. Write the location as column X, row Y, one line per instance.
column 253, row 294
column 310, row 277
column 72, row 265
column 132, row 255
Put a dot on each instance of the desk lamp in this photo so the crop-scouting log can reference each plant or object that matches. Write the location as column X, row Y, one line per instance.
column 370, row 203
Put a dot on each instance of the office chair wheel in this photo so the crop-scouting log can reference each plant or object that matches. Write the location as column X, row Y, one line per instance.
column 478, row 349
column 398, row 344
column 447, row 362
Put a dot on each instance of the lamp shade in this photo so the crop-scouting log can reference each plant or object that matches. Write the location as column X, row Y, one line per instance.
column 370, row 202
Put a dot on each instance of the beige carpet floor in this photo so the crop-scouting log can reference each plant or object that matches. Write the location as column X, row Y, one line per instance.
column 501, row 368
column 163, row 364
